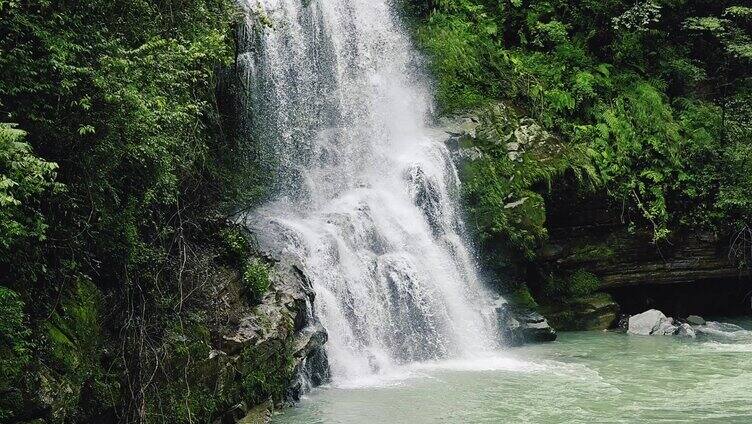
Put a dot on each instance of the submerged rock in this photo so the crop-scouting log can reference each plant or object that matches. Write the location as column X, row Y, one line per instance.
column 686, row 330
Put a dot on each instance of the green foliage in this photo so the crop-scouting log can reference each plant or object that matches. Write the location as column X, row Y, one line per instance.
column 459, row 43
column 15, row 346
column 654, row 94
column 116, row 188
column 121, row 97
column 14, row 340
column 255, row 279
column 731, row 30
column 579, row 283
column 24, row 179
column 266, row 373
column 236, row 244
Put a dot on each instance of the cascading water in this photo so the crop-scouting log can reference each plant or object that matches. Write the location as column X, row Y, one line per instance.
column 366, row 201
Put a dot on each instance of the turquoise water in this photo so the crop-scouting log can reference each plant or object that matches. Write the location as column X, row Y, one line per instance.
column 584, row 377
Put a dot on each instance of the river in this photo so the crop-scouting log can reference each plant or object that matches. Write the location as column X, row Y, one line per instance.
column 584, row 377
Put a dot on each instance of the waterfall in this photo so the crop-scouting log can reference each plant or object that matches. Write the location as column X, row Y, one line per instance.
column 365, row 200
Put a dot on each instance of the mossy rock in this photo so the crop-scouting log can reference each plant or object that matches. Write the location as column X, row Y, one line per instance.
column 522, row 297
column 592, row 252
column 597, row 311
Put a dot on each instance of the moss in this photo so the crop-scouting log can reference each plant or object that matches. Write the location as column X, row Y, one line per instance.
column 592, row 252
column 597, row 311
column 70, row 370
column 522, row 297
column 189, row 392
column 583, row 283
column 266, row 372
column 183, row 404
column 73, row 332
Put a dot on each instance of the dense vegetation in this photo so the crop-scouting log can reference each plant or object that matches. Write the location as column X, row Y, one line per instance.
column 118, row 170
column 653, row 97
column 116, row 173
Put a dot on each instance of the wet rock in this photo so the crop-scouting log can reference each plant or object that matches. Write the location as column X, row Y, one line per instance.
column 686, row 330
column 520, row 326
column 312, row 365
column 650, row 322
column 279, row 339
column 665, row 328
column 470, row 154
column 460, row 126
column 234, row 414
column 723, row 331
column 695, row 320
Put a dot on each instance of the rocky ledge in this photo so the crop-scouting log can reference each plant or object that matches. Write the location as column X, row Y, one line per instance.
column 690, row 272
column 275, row 348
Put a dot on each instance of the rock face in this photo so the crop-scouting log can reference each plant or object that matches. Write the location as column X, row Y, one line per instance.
column 279, row 342
column 593, row 312
column 633, row 259
column 689, row 273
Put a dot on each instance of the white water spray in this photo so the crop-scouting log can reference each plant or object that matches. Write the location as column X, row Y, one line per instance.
column 367, row 201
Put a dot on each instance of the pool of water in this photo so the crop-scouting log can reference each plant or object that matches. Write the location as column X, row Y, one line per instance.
column 584, row 377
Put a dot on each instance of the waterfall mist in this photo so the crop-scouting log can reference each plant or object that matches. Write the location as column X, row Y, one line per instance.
column 365, row 200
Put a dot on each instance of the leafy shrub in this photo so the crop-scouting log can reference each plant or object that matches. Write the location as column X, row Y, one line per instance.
column 578, row 284
column 24, row 179
column 255, row 279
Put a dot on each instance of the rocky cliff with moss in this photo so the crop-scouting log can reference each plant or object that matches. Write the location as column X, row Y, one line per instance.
column 573, row 254
column 127, row 292
column 605, row 150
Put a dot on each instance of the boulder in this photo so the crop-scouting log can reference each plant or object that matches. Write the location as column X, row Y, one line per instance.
column 665, row 328
column 695, row 320
column 652, row 322
column 520, row 326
